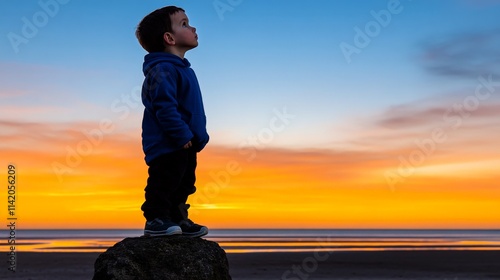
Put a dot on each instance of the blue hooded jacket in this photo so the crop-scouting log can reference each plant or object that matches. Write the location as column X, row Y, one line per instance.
column 174, row 113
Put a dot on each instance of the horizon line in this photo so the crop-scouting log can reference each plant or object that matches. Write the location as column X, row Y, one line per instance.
column 444, row 229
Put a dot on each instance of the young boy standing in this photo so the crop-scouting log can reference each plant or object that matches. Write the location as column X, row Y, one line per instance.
column 174, row 123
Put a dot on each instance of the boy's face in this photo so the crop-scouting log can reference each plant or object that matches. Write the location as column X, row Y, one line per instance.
column 184, row 35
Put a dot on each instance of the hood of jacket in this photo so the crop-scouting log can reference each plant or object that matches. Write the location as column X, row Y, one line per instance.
column 153, row 59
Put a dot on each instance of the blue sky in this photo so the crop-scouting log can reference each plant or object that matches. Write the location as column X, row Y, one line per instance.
column 254, row 59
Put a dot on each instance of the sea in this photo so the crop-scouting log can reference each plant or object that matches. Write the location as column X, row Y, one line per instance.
column 265, row 240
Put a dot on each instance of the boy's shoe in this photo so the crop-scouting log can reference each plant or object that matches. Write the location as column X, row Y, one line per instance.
column 191, row 229
column 161, row 227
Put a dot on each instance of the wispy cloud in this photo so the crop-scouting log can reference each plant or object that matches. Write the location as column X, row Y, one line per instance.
column 465, row 55
column 461, row 133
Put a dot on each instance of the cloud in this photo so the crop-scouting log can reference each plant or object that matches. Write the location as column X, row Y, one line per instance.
column 464, row 55
column 405, row 116
column 408, row 117
column 78, row 149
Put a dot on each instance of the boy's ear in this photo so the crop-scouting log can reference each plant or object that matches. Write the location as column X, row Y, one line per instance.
column 169, row 38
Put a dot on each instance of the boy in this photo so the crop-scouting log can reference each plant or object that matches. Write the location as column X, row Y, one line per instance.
column 174, row 123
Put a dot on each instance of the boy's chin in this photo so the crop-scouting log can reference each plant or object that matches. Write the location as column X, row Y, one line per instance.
column 192, row 45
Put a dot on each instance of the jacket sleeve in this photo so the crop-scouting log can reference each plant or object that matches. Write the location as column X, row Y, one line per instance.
column 166, row 107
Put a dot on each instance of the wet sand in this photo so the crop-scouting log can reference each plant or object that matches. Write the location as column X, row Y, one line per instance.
column 432, row 264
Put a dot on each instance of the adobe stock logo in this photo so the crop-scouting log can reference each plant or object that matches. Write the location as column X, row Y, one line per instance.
column 249, row 148
column 31, row 26
column 223, row 6
column 90, row 140
column 453, row 119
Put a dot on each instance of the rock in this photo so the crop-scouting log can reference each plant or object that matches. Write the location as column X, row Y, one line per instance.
column 162, row 258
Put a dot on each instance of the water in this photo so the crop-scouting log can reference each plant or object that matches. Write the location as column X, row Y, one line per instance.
column 269, row 240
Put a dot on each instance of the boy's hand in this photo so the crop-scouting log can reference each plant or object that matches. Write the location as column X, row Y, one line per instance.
column 188, row 145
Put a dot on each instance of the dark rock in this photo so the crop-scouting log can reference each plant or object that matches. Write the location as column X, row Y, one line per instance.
column 162, row 258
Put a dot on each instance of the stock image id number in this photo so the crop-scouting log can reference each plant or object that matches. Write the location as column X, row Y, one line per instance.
column 11, row 199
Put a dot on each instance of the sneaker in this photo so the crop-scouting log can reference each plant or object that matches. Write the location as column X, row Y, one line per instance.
column 191, row 229
column 161, row 227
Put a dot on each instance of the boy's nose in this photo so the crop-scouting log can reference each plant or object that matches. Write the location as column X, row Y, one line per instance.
column 194, row 29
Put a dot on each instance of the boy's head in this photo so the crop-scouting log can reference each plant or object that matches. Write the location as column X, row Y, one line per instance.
column 167, row 29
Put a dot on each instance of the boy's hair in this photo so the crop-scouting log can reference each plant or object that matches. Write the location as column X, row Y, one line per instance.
column 151, row 29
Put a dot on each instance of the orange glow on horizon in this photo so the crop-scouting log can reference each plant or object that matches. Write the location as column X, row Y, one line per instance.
column 455, row 185
column 278, row 189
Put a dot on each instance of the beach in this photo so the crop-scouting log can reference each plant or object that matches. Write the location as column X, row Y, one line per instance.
column 408, row 264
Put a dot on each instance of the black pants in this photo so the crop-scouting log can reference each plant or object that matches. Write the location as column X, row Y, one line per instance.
column 171, row 180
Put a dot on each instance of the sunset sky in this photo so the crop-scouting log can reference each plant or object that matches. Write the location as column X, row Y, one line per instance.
column 322, row 114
